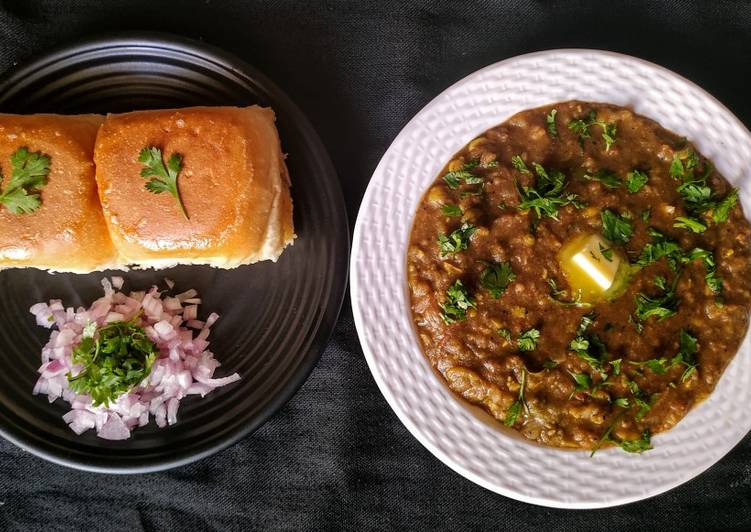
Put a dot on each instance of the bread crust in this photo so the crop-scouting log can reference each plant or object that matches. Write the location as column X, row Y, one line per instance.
column 233, row 183
column 67, row 232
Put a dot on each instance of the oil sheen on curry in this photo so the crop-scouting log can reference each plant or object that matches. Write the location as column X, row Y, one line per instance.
column 581, row 274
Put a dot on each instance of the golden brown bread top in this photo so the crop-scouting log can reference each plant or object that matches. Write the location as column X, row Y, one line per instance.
column 67, row 232
column 233, row 185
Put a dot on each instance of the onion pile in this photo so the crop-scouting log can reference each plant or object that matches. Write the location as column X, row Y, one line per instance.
column 184, row 365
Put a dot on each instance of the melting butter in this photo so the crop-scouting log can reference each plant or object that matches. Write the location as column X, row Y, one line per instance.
column 593, row 267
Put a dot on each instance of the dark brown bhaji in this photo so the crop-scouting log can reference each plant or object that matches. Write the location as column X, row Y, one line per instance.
column 620, row 378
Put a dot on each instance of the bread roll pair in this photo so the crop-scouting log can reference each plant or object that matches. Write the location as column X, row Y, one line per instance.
column 96, row 212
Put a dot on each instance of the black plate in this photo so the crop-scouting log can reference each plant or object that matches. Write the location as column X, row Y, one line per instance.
column 276, row 318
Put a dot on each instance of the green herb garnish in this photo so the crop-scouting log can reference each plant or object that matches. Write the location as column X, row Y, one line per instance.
column 635, row 181
column 589, row 347
column 513, row 412
column 457, row 241
column 581, row 128
column 457, row 302
column 616, row 228
column 724, row 206
column 527, row 341
column 451, row 210
column 550, row 121
column 547, row 196
column 637, row 446
column 505, row 334
column 496, row 278
column 29, row 171
column 714, row 281
column 660, row 307
column 115, row 359
column 163, row 178
column 606, row 177
column 691, row 224
column 519, row 164
column 661, row 246
column 582, row 381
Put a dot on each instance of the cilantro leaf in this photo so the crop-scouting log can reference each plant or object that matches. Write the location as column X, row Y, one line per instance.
column 519, row 164
column 496, row 278
column 635, row 181
column 115, row 359
column 550, row 121
column 691, row 224
column 29, row 171
column 451, row 210
column 616, row 228
column 714, row 282
column 527, row 341
column 637, row 446
column 456, row 304
column 515, row 409
column 622, row 402
column 724, row 206
column 457, row 241
column 661, row 246
column 661, row 307
column 163, row 179
column 581, row 126
column 589, row 347
column 606, row 177
column 583, row 382
column 547, row 196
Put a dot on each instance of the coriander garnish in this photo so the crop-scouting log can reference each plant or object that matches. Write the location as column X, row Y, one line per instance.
column 589, row 347
column 661, row 246
column 637, row 446
column 701, row 202
column 451, row 210
column 661, row 307
column 115, row 359
column 635, row 181
column 164, row 178
column 551, row 125
column 714, row 282
column 513, row 412
column 496, row 277
column 457, row 241
column 457, row 302
column 547, row 196
column 29, row 171
column 615, row 227
column 519, row 164
column 606, row 177
column 527, row 341
column 581, row 128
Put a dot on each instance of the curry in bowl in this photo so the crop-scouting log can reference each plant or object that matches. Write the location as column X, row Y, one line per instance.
column 582, row 274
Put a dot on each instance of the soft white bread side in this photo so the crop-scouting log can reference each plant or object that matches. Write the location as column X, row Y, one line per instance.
column 233, row 183
column 67, row 232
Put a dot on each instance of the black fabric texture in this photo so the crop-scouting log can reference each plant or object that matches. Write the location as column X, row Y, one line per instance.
column 336, row 457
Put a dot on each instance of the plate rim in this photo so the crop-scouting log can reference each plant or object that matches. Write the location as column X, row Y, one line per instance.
column 329, row 318
column 359, row 318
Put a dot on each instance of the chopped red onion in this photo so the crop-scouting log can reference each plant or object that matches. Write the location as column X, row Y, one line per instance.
column 184, row 367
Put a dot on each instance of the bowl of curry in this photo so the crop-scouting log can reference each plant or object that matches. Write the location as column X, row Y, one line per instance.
column 581, row 274
column 550, row 278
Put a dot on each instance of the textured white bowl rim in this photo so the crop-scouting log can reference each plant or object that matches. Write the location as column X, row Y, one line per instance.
column 385, row 328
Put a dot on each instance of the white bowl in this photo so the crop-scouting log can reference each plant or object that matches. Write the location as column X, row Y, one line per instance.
column 481, row 451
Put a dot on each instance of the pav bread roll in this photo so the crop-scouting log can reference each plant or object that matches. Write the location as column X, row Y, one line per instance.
column 54, row 221
column 232, row 183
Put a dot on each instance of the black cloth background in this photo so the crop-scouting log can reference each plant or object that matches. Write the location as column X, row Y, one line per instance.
column 336, row 457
